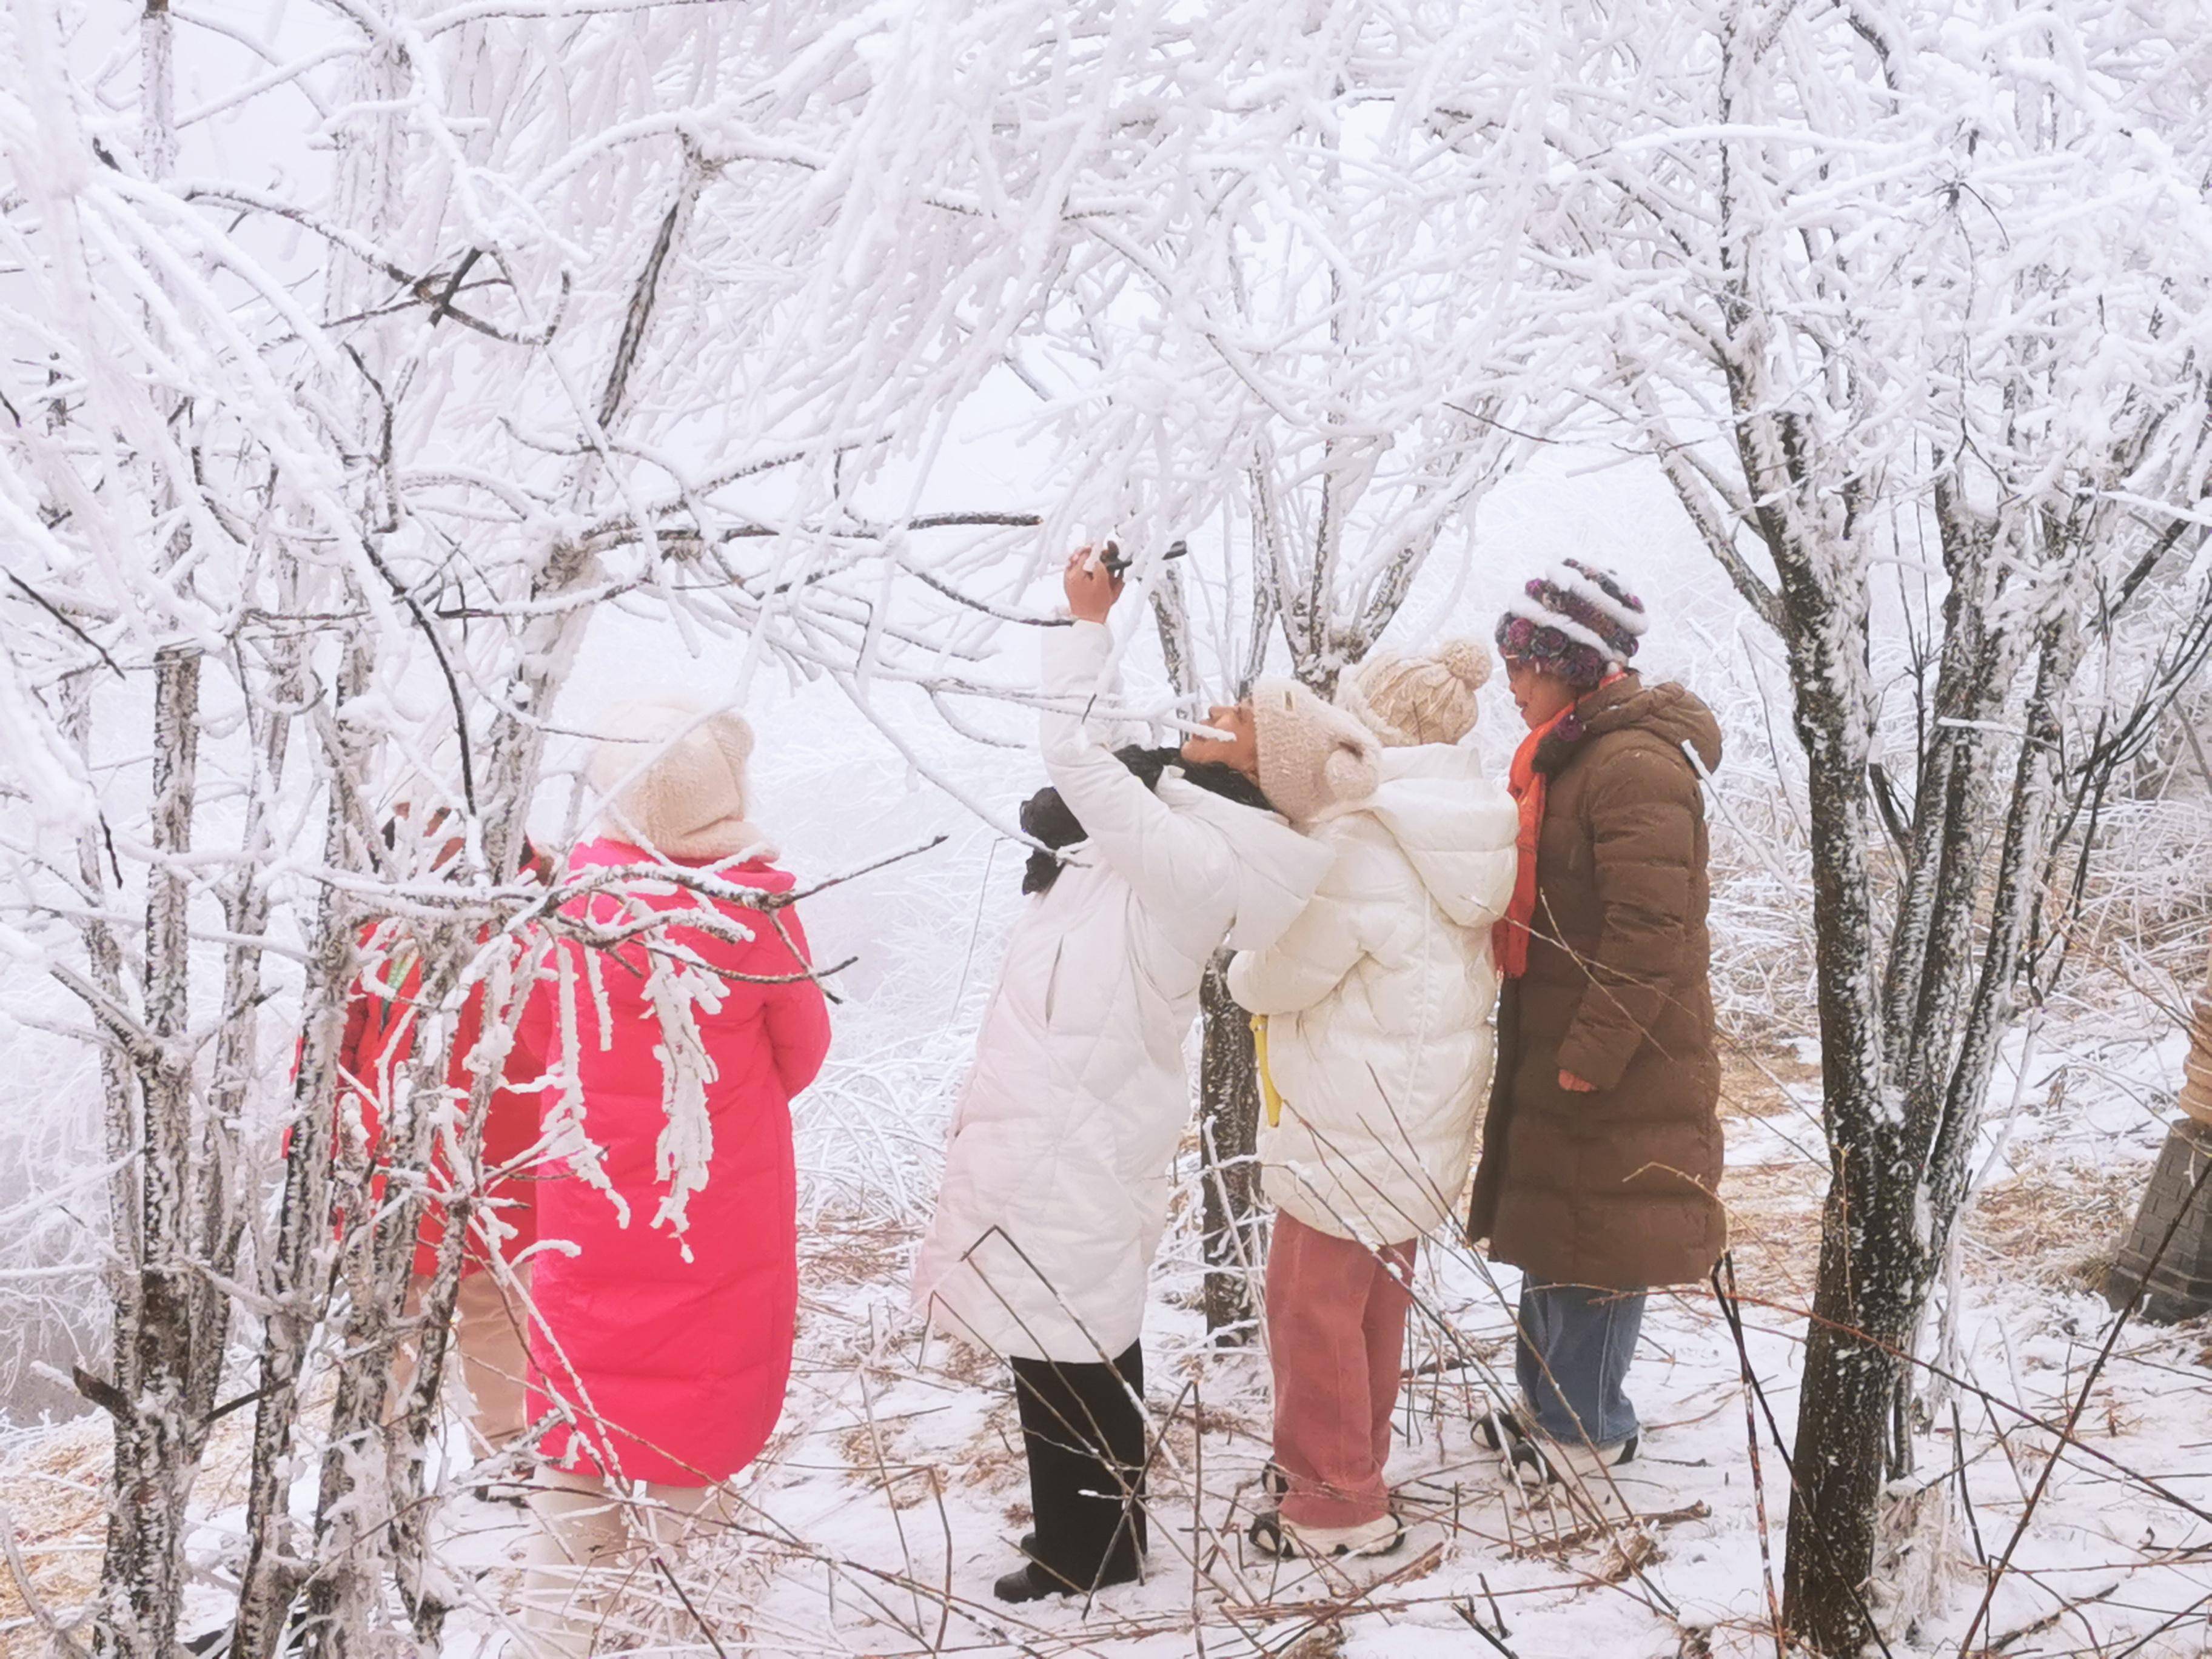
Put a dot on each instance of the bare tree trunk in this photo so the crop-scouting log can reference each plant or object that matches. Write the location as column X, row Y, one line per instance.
column 1171, row 617
column 156, row 1435
column 246, row 910
column 297, row 1280
column 2028, row 825
column 422, row 1585
column 157, row 1373
column 1862, row 1311
column 1228, row 1128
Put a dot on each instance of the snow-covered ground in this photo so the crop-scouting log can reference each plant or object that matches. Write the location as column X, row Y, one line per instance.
column 891, row 1497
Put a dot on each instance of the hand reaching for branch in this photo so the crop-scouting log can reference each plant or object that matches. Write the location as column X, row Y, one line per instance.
column 1091, row 588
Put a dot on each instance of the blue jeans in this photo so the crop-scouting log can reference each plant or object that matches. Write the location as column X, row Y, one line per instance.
column 1572, row 1356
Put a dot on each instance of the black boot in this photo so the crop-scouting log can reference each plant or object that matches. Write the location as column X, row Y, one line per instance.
column 1032, row 1583
column 1083, row 1436
column 1027, row 1583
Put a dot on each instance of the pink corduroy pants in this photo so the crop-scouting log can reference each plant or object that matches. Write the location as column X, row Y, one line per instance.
column 1336, row 1332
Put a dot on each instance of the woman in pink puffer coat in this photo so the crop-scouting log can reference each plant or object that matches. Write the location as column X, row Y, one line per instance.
column 664, row 1303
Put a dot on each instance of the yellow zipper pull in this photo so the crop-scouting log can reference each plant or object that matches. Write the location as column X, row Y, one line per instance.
column 1268, row 1098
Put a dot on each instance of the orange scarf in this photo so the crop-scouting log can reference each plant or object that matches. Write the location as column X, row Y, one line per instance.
column 1509, row 938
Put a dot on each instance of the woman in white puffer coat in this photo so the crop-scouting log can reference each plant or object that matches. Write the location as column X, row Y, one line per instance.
column 1058, row 1176
column 1378, row 1049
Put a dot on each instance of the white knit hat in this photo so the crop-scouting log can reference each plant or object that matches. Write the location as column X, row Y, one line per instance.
column 1406, row 698
column 685, row 766
column 1312, row 757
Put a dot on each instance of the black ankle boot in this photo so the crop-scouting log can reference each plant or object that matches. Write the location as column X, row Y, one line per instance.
column 1031, row 1582
column 1028, row 1582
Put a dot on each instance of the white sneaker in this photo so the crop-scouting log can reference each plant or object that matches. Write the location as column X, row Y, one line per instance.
column 1287, row 1541
column 1501, row 1430
column 1540, row 1460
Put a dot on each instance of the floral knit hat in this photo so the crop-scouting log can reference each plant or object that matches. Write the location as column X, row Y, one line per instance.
column 1576, row 620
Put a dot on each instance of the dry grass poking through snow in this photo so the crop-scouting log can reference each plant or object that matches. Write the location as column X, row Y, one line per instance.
column 2057, row 1219
column 53, row 1491
column 1777, row 1170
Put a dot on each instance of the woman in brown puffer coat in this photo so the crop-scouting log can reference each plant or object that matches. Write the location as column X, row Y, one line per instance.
column 1602, row 1153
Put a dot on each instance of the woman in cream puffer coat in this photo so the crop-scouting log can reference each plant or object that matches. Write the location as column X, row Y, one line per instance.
column 1379, row 997
column 1378, row 1047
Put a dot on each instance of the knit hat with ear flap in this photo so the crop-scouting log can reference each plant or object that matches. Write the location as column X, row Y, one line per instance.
column 686, row 796
column 1406, row 698
column 1576, row 620
column 1312, row 757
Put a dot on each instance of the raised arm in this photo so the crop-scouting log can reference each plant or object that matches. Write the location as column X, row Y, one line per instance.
column 1169, row 860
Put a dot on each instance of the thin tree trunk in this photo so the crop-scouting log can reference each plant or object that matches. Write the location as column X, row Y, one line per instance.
column 222, row 1221
column 1868, row 1249
column 368, row 1517
column 2035, row 788
column 1228, row 1127
column 1862, row 1308
column 156, row 1438
column 506, row 993
column 297, row 1279
column 1171, row 617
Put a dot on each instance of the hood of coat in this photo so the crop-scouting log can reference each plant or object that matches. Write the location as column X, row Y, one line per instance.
column 1277, row 869
column 1671, row 712
column 1449, row 820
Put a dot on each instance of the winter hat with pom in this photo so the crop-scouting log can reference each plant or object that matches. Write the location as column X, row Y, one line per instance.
column 1407, row 698
column 1577, row 622
column 1312, row 756
column 685, row 766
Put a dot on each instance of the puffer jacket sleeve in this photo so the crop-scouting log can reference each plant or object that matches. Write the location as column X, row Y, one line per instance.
column 797, row 1014
column 1173, row 862
column 1644, row 811
column 1320, row 948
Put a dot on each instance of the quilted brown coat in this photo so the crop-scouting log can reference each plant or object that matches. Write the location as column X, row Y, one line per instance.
column 1616, row 1189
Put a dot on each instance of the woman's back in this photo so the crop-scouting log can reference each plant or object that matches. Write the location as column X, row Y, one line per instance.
column 667, row 1311
column 1378, row 1002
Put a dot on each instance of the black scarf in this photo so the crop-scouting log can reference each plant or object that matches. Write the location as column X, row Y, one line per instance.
column 1045, row 817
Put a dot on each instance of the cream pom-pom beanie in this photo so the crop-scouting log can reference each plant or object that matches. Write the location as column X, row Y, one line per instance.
column 1411, row 698
column 685, row 795
column 1312, row 757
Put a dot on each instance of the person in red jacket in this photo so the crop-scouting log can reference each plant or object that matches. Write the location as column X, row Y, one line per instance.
column 665, row 1287
column 383, row 1013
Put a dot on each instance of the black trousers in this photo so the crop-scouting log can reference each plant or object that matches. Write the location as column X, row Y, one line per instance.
column 1086, row 1440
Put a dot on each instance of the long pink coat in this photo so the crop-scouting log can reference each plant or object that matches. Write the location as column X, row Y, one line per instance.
column 675, row 1370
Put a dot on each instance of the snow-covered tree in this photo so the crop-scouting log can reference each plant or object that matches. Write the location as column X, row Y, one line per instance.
column 1911, row 309
column 352, row 361
column 349, row 366
column 1265, row 313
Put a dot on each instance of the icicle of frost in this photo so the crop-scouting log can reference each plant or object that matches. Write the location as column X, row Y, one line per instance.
column 596, row 972
column 494, row 1042
column 676, row 990
column 564, row 1126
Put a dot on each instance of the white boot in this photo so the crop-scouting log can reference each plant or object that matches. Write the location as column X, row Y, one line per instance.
column 1287, row 1541
column 1501, row 1429
column 1540, row 1460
